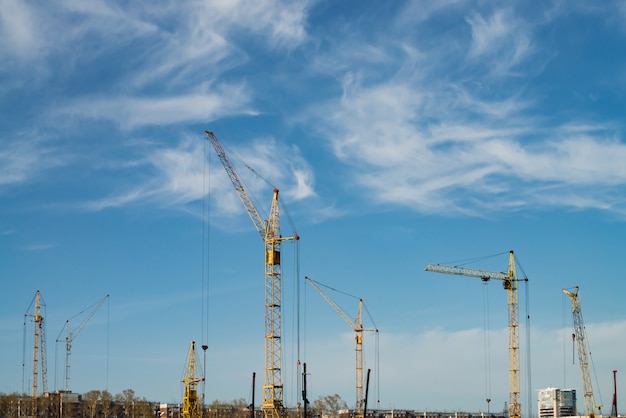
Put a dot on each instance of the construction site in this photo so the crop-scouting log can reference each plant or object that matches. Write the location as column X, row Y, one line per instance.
column 64, row 403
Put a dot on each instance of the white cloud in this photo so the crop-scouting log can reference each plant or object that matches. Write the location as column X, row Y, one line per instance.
column 179, row 175
column 282, row 23
column 304, row 184
column 421, row 11
column 135, row 112
column 435, row 144
column 420, row 370
column 501, row 39
column 39, row 247
column 26, row 155
column 18, row 29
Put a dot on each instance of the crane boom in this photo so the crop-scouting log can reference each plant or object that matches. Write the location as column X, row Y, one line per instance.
column 272, row 405
column 463, row 271
column 357, row 326
column 580, row 335
column 509, row 282
column 234, row 178
column 70, row 336
column 352, row 324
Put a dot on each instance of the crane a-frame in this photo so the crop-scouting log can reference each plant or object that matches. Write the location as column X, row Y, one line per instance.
column 269, row 230
column 581, row 339
column 510, row 284
column 357, row 326
column 69, row 338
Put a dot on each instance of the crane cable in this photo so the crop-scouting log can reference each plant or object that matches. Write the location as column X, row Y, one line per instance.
column 296, row 263
column 527, row 334
column 254, row 201
column 206, row 252
column 296, row 323
column 487, row 344
column 377, row 343
column 256, row 173
column 466, row 261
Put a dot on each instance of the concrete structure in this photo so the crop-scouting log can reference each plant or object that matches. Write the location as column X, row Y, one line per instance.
column 167, row 410
column 555, row 402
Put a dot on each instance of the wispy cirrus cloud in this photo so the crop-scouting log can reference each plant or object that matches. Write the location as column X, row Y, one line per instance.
column 501, row 36
column 169, row 61
column 136, row 112
column 39, row 247
column 181, row 175
column 451, row 163
column 25, row 155
column 446, row 141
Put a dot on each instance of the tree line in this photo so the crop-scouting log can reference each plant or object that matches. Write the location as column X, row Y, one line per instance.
column 102, row 404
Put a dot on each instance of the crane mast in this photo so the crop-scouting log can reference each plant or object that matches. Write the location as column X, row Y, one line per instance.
column 510, row 284
column 581, row 340
column 39, row 348
column 357, row 326
column 269, row 230
column 191, row 404
column 69, row 338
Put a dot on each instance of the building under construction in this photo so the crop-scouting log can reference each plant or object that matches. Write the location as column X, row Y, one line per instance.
column 554, row 402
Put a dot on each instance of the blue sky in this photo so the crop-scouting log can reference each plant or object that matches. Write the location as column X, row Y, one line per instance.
column 399, row 133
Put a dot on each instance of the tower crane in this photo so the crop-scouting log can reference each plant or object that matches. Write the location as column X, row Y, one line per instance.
column 70, row 336
column 39, row 346
column 191, row 405
column 357, row 326
column 269, row 230
column 510, row 284
column 581, row 340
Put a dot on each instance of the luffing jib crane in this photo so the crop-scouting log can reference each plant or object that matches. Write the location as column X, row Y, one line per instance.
column 39, row 346
column 357, row 326
column 510, row 284
column 269, row 230
column 191, row 404
column 581, row 340
column 70, row 336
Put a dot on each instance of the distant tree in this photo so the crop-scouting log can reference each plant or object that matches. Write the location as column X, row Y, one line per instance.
column 127, row 399
column 9, row 405
column 238, row 408
column 329, row 406
column 143, row 409
column 241, row 408
column 107, row 402
column 90, row 402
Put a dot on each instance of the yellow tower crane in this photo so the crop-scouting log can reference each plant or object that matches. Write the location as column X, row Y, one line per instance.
column 69, row 337
column 39, row 346
column 357, row 326
column 191, row 404
column 510, row 284
column 580, row 335
column 269, row 230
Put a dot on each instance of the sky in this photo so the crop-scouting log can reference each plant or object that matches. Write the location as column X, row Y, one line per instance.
column 399, row 134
